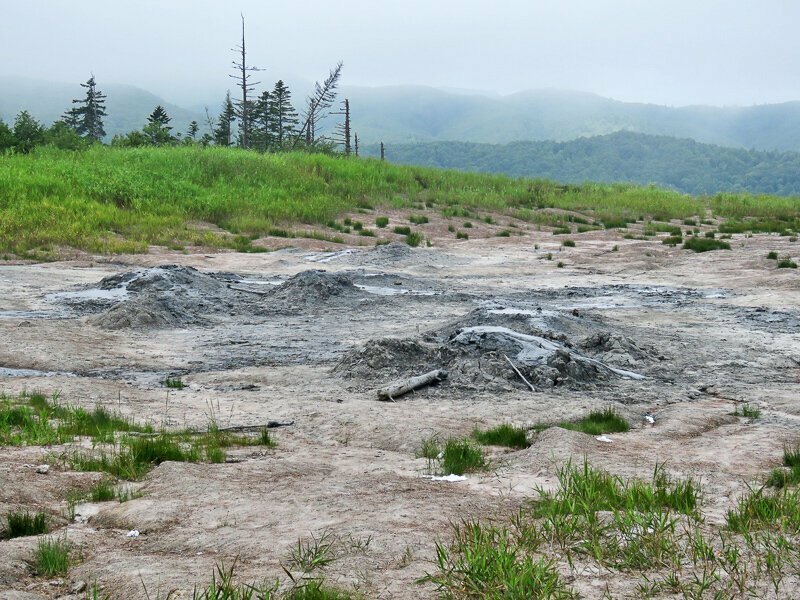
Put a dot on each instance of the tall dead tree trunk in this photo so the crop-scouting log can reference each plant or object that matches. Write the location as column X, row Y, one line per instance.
column 383, row 154
column 242, row 76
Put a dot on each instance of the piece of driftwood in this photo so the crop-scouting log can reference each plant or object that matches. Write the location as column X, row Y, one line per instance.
column 268, row 425
column 234, row 428
column 521, row 376
column 249, row 291
column 400, row 388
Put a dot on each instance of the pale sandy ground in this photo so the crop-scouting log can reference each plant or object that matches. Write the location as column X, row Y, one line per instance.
column 348, row 464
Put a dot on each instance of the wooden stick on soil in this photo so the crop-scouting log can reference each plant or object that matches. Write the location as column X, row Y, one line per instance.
column 399, row 388
column 521, row 376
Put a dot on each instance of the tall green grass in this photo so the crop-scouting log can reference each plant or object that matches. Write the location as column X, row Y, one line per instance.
column 122, row 200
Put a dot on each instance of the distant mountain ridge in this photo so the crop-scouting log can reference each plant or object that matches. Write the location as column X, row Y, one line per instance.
column 127, row 106
column 405, row 114
column 680, row 164
column 410, row 114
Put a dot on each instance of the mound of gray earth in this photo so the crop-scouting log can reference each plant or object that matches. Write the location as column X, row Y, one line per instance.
column 482, row 357
column 618, row 350
column 169, row 296
column 311, row 287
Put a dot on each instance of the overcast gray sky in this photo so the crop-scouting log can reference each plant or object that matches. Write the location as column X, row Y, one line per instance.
column 663, row 51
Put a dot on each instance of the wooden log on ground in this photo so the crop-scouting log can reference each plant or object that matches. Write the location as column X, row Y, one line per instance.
column 400, row 388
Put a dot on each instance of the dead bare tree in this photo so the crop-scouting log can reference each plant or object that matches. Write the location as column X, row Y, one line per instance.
column 317, row 104
column 356, row 144
column 242, row 76
column 383, row 155
column 343, row 128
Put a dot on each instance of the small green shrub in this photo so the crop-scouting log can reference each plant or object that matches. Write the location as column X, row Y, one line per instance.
column 672, row 240
column 173, row 383
column 382, row 222
column 467, row 225
column 102, row 491
column 710, row 235
column 502, row 435
column 772, row 255
column 690, row 222
column 451, row 229
column 358, row 226
column 462, row 235
column 697, row 244
column 23, row 523
column 560, row 265
column 504, row 233
column 402, row 230
column 413, row 239
column 786, row 263
column 568, row 243
column 615, row 248
column 562, row 231
column 418, row 219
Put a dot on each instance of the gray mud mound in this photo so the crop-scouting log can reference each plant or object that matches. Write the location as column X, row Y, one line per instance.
column 147, row 311
column 387, row 358
column 401, row 254
column 482, row 356
column 618, row 350
column 169, row 296
column 311, row 288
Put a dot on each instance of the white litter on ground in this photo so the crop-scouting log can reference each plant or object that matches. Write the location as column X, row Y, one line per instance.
column 650, row 419
column 449, row 478
column 604, row 438
column 133, row 533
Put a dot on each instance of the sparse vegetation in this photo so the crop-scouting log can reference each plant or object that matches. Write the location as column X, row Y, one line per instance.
column 502, row 435
column 53, row 556
column 786, row 263
column 418, row 219
column 413, row 239
column 402, row 230
column 772, row 255
column 24, row 523
column 173, row 383
column 748, row 411
column 568, row 243
column 381, row 222
column 697, row 244
column 462, row 235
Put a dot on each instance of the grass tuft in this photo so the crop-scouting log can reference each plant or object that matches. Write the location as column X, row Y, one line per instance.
column 52, row 556
column 23, row 523
column 502, row 435
column 697, row 244
column 598, row 422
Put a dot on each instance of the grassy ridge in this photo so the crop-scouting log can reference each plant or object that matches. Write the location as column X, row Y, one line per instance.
column 113, row 200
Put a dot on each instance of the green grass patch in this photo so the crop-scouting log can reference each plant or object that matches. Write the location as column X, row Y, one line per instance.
column 772, row 255
column 467, row 225
column 24, row 523
column 697, row 244
column 402, row 230
column 672, row 240
column 33, row 420
column 748, row 411
column 786, row 263
column 568, row 243
column 173, row 383
column 759, row 509
column 461, row 456
column 52, row 556
column 462, row 235
column 598, row 422
column 413, row 239
column 381, row 222
column 503, row 435
column 418, row 219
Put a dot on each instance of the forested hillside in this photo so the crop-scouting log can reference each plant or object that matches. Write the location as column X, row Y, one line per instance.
column 680, row 164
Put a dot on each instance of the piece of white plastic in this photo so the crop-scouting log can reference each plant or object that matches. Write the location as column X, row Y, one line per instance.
column 604, row 438
column 450, row 478
column 133, row 533
column 650, row 419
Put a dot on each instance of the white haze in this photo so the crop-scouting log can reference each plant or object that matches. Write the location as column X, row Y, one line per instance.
column 675, row 52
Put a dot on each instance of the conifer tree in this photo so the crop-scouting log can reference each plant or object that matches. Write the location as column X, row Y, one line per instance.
column 284, row 117
column 6, row 137
column 317, row 105
column 193, row 129
column 28, row 132
column 262, row 121
column 87, row 117
column 223, row 129
column 157, row 130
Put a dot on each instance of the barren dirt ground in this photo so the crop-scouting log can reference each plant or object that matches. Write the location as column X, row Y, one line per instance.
column 707, row 331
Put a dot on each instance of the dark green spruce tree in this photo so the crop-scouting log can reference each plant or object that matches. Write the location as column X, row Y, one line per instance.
column 225, row 120
column 261, row 121
column 191, row 133
column 87, row 117
column 157, row 130
column 283, row 126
